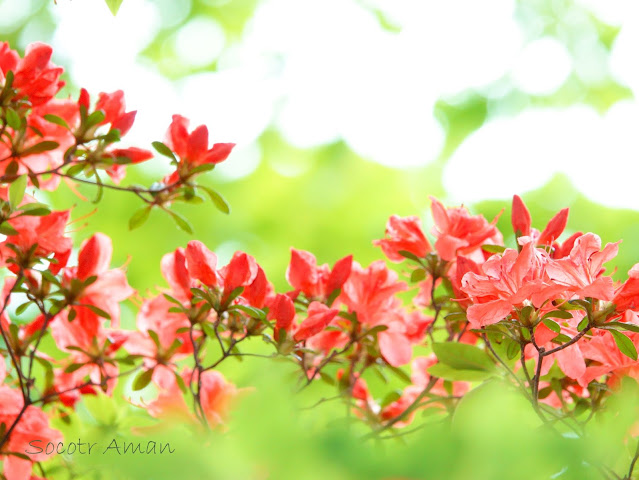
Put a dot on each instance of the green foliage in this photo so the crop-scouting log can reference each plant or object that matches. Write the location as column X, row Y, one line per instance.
column 114, row 5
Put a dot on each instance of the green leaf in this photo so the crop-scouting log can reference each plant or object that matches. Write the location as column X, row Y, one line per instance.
column 16, row 190
column 251, row 311
column 94, row 119
column 57, row 120
column 624, row 326
column 205, row 167
column 525, row 314
column 410, row 256
column 447, row 372
column 208, row 329
column 6, row 229
column 180, row 382
column 462, row 356
column 12, row 168
column 181, row 222
column 172, row 299
column 401, row 374
column 40, row 147
column 624, row 344
column 558, row 314
column 554, row 326
column 142, row 380
column 139, row 217
column 35, row 212
column 418, row 275
column 164, row 150
column 513, row 350
column 13, row 119
column 493, row 248
column 76, row 169
column 21, row 308
column 561, row 338
column 98, row 311
column 73, row 367
column 391, row 397
column 456, row 316
column 234, row 294
column 583, row 324
column 218, row 200
column 327, row 378
column 376, row 329
column 155, row 338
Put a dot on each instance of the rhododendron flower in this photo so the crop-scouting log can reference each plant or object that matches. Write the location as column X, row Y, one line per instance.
column 257, row 292
column 581, row 272
column 241, row 271
column 458, row 232
column 46, row 232
column 202, row 263
column 193, row 148
column 606, row 359
column 521, row 222
column 627, row 296
column 154, row 316
column 282, row 310
column 217, row 395
column 370, row 293
column 114, row 108
column 319, row 316
column 47, row 131
column 110, row 286
column 316, row 282
column 183, row 268
column 35, row 77
column 506, row 282
column 175, row 271
column 404, row 234
column 97, row 345
column 32, row 429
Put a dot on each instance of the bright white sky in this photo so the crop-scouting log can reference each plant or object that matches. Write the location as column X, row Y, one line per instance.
column 334, row 73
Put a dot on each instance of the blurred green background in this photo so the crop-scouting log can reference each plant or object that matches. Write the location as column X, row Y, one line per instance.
column 429, row 91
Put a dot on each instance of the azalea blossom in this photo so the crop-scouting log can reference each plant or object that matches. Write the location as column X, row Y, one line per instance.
column 403, row 234
column 459, row 232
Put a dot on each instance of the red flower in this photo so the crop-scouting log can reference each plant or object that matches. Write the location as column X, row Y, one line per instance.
column 316, row 282
column 201, row 263
column 114, row 108
column 47, row 232
column 522, row 222
column 371, row 292
column 404, row 234
column 32, row 429
column 35, row 77
column 193, row 148
column 458, row 232
column 217, row 395
column 582, row 271
column 627, row 296
column 240, row 272
column 110, row 287
column 282, row 310
column 319, row 316
column 507, row 281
